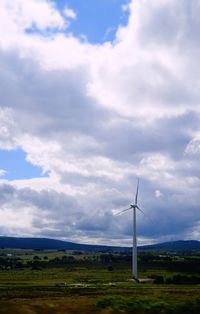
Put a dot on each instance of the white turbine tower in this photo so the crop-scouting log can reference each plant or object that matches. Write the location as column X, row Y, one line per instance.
column 134, row 207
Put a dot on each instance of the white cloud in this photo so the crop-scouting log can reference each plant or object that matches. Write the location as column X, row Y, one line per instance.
column 7, row 130
column 158, row 194
column 12, row 219
column 95, row 117
column 193, row 147
column 2, row 172
column 20, row 15
column 69, row 13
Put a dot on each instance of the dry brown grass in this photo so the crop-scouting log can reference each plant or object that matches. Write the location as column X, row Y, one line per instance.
column 72, row 305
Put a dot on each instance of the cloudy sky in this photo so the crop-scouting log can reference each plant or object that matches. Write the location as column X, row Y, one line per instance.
column 93, row 95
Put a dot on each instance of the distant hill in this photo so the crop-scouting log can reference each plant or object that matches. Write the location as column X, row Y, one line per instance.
column 52, row 244
column 175, row 246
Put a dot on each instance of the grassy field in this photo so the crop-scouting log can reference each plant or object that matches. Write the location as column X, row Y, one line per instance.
column 54, row 282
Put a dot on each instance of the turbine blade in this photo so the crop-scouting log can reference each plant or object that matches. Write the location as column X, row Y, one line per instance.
column 140, row 209
column 136, row 195
column 122, row 211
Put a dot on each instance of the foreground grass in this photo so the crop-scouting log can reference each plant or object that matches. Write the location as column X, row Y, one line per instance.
column 83, row 305
column 119, row 304
column 107, row 304
column 100, row 297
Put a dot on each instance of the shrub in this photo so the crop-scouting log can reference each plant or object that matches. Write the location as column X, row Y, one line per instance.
column 183, row 280
column 144, row 305
column 110, row 268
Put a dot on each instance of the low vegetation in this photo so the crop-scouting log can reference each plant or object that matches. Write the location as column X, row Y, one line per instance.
column 119, row 304
column 60, row 281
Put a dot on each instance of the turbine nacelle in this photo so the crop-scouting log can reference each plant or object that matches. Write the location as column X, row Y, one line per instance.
column 133, row 206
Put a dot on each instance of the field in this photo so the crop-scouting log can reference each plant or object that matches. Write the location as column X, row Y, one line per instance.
column 77, row 282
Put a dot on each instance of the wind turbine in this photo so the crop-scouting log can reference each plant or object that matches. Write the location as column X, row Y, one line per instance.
column 134, row 207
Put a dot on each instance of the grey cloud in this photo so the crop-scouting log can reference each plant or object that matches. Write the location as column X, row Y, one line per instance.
column 127, row 140
column 59, row 215
column 155, row 85
column 7, row 193
column 58, row 98
column 97, row 223
column 54, row 105
column 172, row 23
column 44, row 200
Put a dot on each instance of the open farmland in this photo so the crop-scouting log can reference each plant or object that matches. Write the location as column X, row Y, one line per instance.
column 33, row 281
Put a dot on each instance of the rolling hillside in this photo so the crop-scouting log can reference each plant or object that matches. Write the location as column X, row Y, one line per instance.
column 44, row 243
column 175, row 246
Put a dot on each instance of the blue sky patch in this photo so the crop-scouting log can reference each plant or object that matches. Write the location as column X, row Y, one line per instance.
column 98, row 20
column 16, row 167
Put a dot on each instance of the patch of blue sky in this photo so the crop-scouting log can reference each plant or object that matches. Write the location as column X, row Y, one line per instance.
column 97, row 20
column 17, row 167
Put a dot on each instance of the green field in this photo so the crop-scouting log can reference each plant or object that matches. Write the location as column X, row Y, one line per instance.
column 76, row 282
